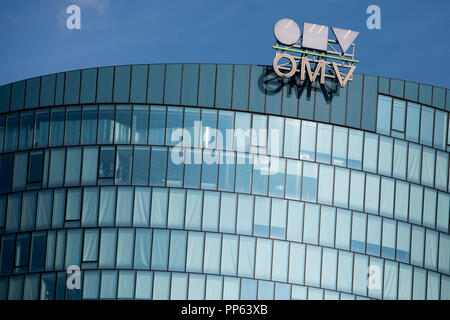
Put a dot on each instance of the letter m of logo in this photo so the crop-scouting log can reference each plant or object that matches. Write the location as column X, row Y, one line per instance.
column 312, row 77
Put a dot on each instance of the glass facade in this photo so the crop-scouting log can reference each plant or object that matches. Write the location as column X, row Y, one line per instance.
column 202, row 181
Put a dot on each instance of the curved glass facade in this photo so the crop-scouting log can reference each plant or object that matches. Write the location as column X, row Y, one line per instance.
column 190, row 181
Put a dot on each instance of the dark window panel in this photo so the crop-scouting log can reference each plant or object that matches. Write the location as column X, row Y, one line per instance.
column 105, row 84
column 207, row 85
column 306, row 104
column 190, row 85
column 7, row 254
column 73, row 123
column 156, row 83
column 383, row 85
column 26, row 130
column 59, row 94
column 35, row 166
column 411, row 91
column 224, row 86
column 369, row 107
column 107, row 162
column 139, row 75
column 123, row 165
column 57, row 127
column 32, row 93
column 38, row 247
column 240, row 87
column 323, row 101
column 72, row 87
column 354, row 101
column 88, row 85
column 12, row 132
column 274, row 90
column 122, row 84
column 2, row 132
column 338, row 103
column 48, row 84
column 257, row 88
column 6, row 170
column 89, row 125
column 397, row 87
column 439, row 97
column 18, row 95
column 425, row 93
column 5, row 92
column 172, row 89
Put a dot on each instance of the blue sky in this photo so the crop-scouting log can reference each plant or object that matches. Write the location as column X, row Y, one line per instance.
column 412, row 44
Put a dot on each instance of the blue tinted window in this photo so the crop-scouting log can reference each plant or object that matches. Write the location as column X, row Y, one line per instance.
column 89, row 125
column 158, row 166
column 157, row 125
column 138, row 83
column 26, row 130
column 122, row 84
column 122, row 130
column 12, row 132
column 105, row 84
column 123, row 165
column 88, row 85
column 384, row 115
column 426, row 126
column 73, row 123
column 309, row 184
column 106, row 125
column 140, row 124
column 207, row 85
column 190, row 84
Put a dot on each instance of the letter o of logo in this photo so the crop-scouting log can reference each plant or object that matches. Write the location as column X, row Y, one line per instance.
column 293, row 63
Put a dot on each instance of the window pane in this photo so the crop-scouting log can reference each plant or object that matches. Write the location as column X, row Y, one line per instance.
column 142, row 248
column 106, row 125
column 398, row 115
column 311, row 224
column 327, row 226
column 412, row 122
column 324, row 143
column 399, row 170
column 385, row 159
column 73, row 123
column 107, row 160
column 41, row 129
column 293, row 179
column 426, row 126
column 89, row 125
column 246, row 256
column 373, row 235
column 157, row 125
column 26, row 130
column 359, row 232
column 340, row 146
column 308, row 141
column 12, row 132
column 140, row 124
column 292, row 138
column 355, row 142
column 341, row 185
column 309, row 190
column 158, row 166
column 370, row 152
column 123, row 125
column 384, row 115
column 141, row 159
